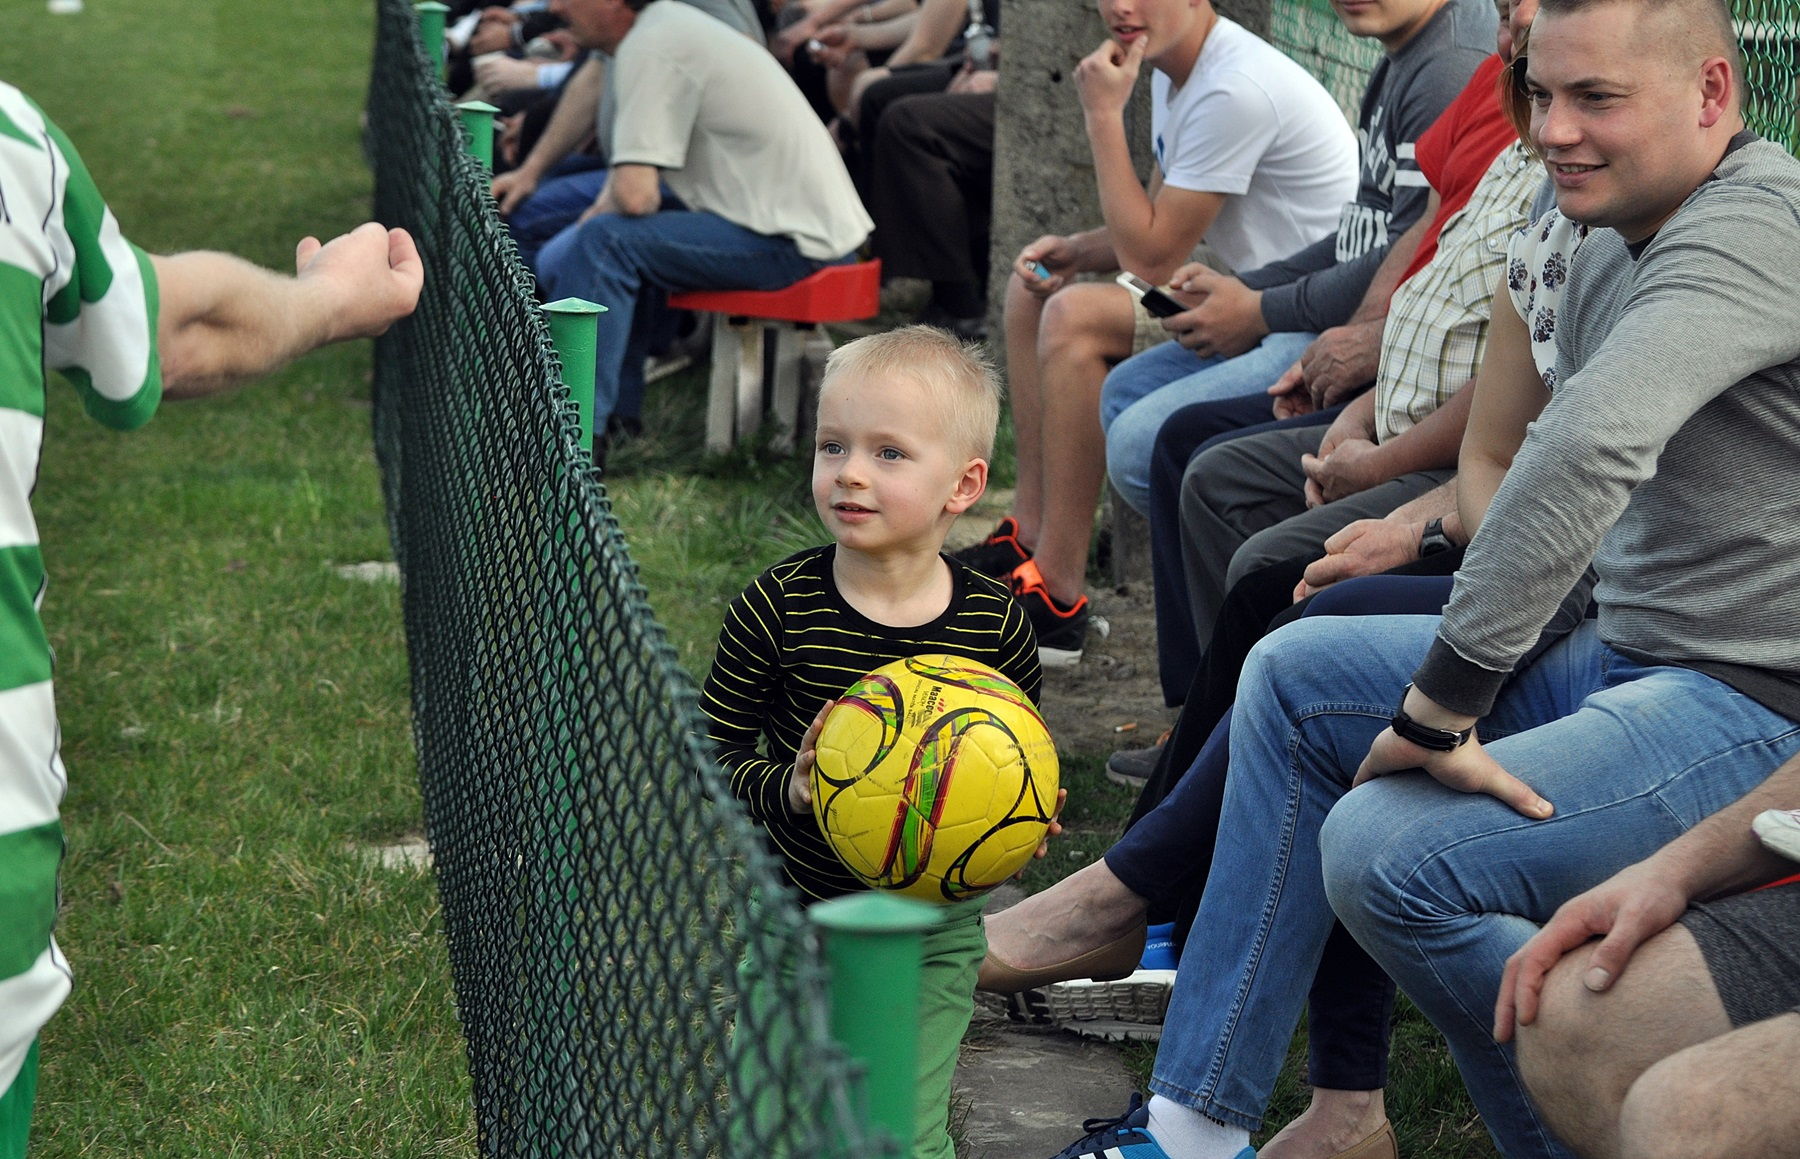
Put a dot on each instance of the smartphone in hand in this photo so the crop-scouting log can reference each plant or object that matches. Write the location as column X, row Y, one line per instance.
column 1158, row 303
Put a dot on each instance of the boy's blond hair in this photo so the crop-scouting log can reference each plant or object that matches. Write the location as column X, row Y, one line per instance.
column 959, row 374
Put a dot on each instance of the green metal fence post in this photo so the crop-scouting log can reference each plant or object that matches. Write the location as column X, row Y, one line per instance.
column 431, row 30
column 572, row 330
column 478, row 125
column 873, row 945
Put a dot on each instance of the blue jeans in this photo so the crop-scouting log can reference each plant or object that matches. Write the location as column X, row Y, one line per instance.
column 617, row 260
column 558, row 200
column 1439, row 887
column 1141, row 392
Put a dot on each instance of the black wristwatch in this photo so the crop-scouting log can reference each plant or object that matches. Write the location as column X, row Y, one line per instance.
column 1433, row 539
column 1438, row 740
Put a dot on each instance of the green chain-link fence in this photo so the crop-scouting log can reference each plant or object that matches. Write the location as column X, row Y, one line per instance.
column 631, row 976
column 1769, row 31
column 606, row 905
column 1308, row 31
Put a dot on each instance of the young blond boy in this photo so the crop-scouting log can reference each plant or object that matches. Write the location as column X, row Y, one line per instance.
column 905, row 426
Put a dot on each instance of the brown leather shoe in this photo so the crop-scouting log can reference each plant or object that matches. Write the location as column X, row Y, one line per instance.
column 1107, row 963
column 1380, row 1145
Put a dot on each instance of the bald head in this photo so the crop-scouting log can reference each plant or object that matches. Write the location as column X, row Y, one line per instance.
column 1681, row 32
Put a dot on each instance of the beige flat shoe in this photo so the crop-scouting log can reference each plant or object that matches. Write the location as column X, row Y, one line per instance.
column 1108, row 963
column 1380, row 1145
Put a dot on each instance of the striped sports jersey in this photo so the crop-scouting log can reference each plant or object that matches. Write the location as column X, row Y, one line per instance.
column 75, row 296
column 790, row 643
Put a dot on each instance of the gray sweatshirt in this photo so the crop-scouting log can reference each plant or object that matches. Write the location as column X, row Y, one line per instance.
column 1321, row 285
column 1667, row 454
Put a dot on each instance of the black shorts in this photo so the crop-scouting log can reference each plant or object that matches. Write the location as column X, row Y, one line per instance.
column 1751, row 945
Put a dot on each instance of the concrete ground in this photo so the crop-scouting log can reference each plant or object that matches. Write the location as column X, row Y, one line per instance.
column 1027, row 1089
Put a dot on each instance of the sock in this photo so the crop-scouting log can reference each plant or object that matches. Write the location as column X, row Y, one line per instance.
column 959, row 299
column 1187, row 1134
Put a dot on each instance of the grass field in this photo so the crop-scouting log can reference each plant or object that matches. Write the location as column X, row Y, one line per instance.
column 235, row 714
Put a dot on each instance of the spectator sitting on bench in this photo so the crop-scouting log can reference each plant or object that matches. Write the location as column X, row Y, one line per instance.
column 563, row 171
column 763, row 198
column 1677, row 1034
column 1243, row 331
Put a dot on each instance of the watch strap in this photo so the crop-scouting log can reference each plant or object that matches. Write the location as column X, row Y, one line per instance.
column 1440, row 740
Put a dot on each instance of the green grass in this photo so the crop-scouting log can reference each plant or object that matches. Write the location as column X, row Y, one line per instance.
column 235, row 715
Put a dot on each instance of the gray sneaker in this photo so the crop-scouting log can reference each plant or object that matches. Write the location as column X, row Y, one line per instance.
column 1129, row 1008
column 1132, row 767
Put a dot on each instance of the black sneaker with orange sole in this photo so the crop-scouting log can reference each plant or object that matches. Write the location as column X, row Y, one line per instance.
column 998, row 554
column 1061, row 628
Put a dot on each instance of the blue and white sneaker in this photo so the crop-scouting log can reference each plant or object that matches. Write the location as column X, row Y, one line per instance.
column 1126, row 1137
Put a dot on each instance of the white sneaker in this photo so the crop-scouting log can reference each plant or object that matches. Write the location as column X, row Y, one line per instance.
column 1779, row 831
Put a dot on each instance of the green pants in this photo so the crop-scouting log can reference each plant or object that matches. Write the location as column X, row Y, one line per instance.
column 950, row 957
column 15, row 1108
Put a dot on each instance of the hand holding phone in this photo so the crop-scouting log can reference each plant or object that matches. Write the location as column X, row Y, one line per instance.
column 1158, row 303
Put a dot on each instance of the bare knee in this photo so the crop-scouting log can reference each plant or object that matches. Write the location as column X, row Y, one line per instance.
column 1086, row 320
column 1668, row 1112
column 1729, row 1096
column 1567, row 1061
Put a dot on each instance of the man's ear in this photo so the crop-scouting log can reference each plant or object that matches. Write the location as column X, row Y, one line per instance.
column 1717, row 90
column 969, row 487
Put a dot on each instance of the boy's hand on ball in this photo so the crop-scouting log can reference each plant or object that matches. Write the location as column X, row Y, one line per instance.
column 800, row 784
column 1054, row 829
column 799, row 790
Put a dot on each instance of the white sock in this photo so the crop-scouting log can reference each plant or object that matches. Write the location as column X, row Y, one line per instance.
column 1187, row 1134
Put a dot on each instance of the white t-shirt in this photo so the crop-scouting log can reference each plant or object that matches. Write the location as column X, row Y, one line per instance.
column 730, row 132
column 1252, row 123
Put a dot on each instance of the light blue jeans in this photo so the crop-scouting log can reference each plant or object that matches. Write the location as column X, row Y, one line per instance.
column 1141, row 393
column 1439, row 887
column 614, row 259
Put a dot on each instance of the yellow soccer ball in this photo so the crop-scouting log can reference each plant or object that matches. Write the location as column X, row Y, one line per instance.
column 936, row 778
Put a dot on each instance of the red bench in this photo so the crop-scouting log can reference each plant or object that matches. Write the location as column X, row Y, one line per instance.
column 735, row 397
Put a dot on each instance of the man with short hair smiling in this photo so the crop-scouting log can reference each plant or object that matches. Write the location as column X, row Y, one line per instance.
column 1650, row 379
column 1664, row 454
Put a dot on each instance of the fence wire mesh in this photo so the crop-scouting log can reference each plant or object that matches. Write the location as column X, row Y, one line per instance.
column 631, row 976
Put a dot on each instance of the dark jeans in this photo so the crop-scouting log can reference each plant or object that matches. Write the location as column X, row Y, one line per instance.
column 1187, row 432
column 931, row 180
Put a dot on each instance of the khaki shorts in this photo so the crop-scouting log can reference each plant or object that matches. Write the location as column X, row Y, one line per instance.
column 1147, row 328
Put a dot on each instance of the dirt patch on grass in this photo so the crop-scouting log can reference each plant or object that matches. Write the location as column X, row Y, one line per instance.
column 1115, row 686
column 1111, row 700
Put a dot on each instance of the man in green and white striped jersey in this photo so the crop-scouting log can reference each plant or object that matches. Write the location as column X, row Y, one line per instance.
column 126, row 328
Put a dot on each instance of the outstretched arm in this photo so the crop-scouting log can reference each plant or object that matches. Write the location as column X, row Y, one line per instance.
column 223, row 320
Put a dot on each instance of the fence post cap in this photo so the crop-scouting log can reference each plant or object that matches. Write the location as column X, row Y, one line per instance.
column 875, row 913
column 573, row 306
